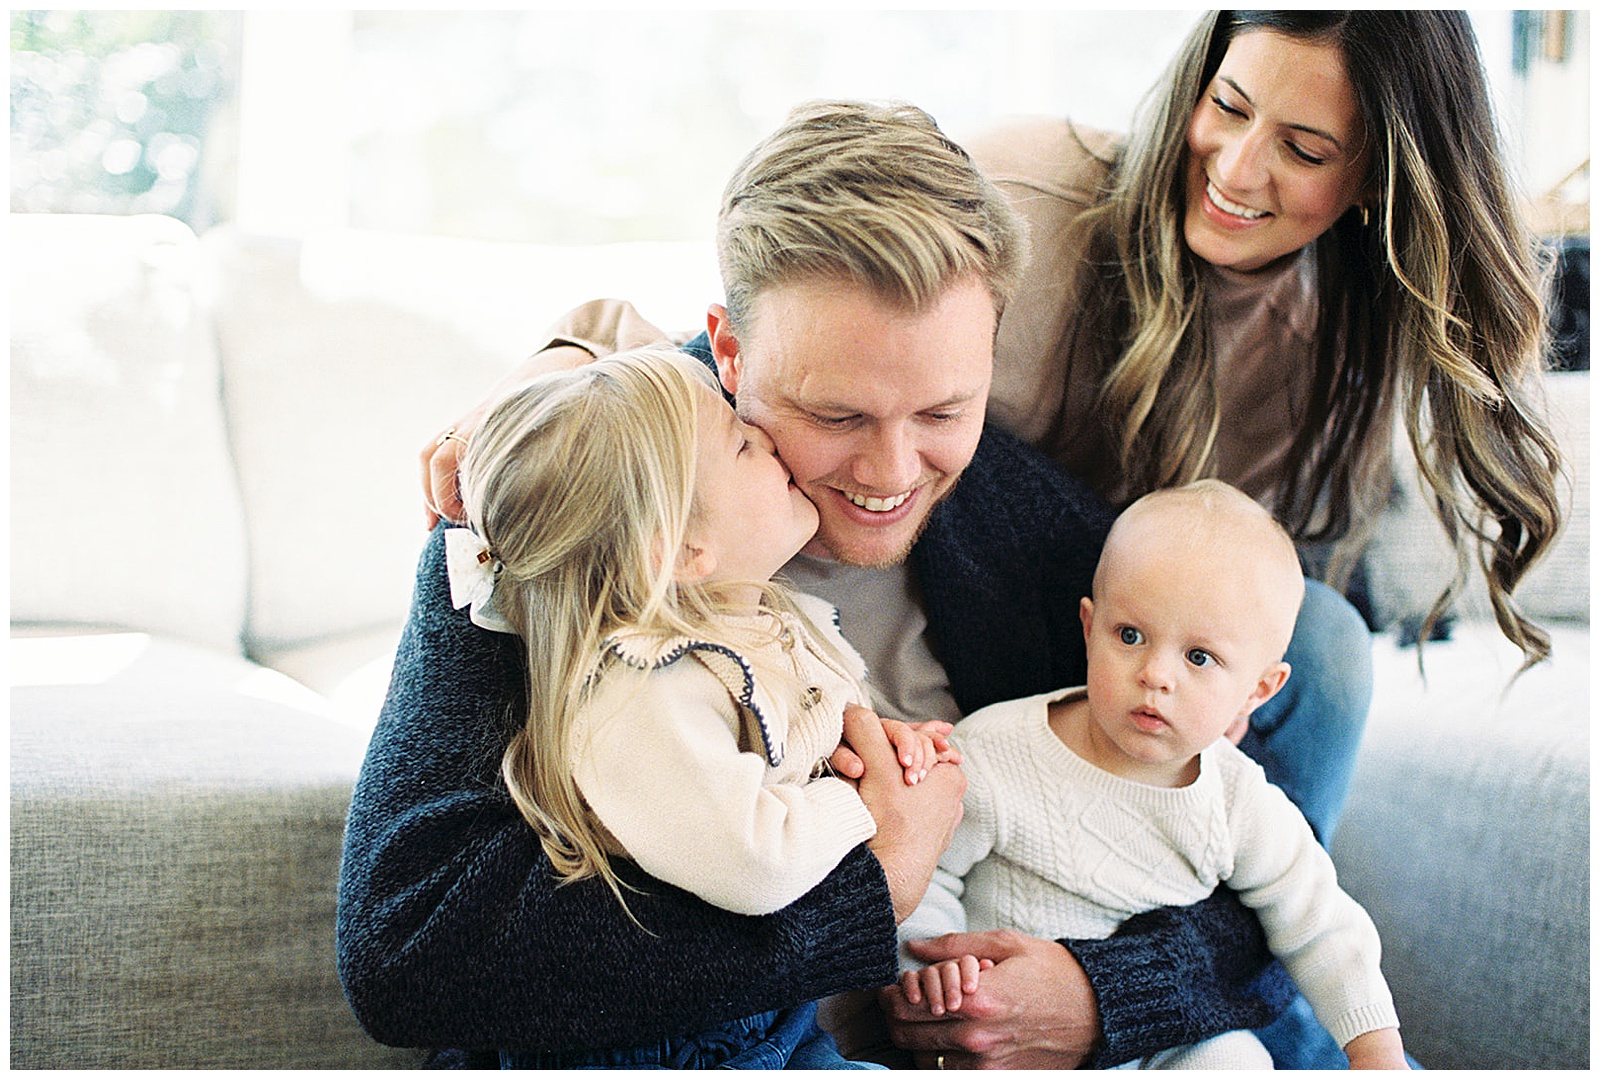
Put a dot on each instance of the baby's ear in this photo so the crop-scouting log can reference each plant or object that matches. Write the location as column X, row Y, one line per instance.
column 1086, row 615
column 1269, row 684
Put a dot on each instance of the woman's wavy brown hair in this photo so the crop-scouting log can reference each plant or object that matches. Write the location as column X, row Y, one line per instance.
column 1436, row 309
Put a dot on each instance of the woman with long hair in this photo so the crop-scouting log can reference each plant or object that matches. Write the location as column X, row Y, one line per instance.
column 1310, row 229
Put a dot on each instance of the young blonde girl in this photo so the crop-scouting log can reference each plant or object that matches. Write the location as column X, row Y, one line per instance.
column 681, row 706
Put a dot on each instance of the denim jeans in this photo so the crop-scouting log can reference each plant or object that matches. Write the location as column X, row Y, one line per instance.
column 788, row 1039
column 1305, row 739
column 1307, row 735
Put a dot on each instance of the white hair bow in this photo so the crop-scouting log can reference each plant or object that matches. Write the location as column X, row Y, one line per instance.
column 472, row 569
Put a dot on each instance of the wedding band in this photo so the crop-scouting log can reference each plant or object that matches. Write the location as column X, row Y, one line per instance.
column 938, row 1061
column 447, row 436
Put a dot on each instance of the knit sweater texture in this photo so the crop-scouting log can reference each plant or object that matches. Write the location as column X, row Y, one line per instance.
column 698, row 756
column 453, row 933
column 1056, row 847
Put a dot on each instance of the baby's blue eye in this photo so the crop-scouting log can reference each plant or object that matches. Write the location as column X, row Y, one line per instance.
column 1200, row 658
column 1129, row 635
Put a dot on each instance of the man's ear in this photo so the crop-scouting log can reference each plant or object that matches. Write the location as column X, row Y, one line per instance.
column 724, row 347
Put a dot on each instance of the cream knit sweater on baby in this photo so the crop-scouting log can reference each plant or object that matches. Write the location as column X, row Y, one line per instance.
column 1057, row 848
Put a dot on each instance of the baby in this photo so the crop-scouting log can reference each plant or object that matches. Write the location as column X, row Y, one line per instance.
column 1090, row 805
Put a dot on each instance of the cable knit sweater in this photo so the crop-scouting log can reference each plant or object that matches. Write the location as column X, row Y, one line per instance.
column 700, row 765
column 1058, row 848
column 451, row 930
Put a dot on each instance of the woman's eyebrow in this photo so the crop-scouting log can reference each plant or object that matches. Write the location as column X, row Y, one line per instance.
column 1307, row 128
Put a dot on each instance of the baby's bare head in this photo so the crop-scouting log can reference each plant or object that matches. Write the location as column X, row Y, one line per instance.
column 1218, row 536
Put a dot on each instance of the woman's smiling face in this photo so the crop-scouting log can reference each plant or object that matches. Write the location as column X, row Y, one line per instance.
column 1277, row 151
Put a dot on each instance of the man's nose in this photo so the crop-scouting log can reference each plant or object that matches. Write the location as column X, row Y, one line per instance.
column 888, row 462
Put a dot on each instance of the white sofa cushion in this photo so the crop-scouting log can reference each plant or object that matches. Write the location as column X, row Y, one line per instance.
column 345, row 353
column 329, row 401
column 124, row 507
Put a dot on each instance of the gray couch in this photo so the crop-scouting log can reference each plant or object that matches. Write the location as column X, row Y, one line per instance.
column 214, row 527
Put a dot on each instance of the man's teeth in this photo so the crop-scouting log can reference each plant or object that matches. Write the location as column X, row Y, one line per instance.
column 1232, row 207
column 877, row 506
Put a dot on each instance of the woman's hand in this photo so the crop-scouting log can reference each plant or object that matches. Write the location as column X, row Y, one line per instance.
column 441, row 463
column 441, row 457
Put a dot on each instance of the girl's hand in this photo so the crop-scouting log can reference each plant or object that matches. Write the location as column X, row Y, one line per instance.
column 918, row 747
column 940, row 987
column 846, row 763
column 939, row 731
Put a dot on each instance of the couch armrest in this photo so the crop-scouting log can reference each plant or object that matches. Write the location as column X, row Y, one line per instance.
column 1467, row 838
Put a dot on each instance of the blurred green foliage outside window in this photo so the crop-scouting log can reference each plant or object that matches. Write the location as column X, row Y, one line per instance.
column 112, row 111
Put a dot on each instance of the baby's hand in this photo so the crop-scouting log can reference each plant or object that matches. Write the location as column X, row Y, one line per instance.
column 939, row 987
column 918, row 747
column 1380, row 1049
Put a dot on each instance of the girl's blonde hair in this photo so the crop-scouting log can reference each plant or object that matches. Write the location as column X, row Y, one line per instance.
column 582, row 486
column 1436, row 308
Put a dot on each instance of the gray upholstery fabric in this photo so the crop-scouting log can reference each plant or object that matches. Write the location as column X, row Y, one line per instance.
column 1467, row 838
column 1409, row 561
column 147, row 930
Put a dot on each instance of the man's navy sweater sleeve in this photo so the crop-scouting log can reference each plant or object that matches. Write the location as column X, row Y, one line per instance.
column 453, row 933
column 1002, row 566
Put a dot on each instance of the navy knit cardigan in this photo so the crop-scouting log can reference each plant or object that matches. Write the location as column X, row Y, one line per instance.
column 452, row 932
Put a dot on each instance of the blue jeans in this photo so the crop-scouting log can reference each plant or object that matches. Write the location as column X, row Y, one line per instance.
column 788, row 1039
column 1305, row 739
column 1306, row 736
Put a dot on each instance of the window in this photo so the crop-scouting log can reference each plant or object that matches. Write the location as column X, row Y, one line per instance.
column 572, row 127
column 122, row 112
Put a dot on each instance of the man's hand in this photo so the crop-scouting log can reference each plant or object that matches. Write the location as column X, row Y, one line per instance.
column 914, row 821
column 441, row 456
column 1033, row 1010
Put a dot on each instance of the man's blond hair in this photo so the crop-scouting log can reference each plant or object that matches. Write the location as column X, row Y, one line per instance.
column 868, row 193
